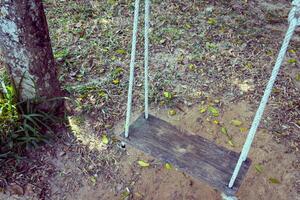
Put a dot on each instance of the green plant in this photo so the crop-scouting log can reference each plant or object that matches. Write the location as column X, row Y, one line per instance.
column 8, row 113
column 22, row 124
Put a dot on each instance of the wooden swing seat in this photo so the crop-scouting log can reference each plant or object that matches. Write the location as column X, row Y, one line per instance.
column 190, row 153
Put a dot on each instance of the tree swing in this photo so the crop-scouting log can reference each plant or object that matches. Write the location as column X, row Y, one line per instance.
column 220, row 168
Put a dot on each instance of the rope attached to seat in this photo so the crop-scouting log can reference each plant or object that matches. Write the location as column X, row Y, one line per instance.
column 132, row 63
column 146, row 56
column 294, row 21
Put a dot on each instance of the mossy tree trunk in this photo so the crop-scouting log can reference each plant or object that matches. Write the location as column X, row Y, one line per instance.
column 26, row 49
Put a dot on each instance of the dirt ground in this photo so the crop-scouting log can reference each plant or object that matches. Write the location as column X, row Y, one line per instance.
column 157, row 182
column 203, row 53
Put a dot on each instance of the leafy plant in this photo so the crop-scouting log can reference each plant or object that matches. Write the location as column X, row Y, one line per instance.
column 22, row 124
column 211, row 46
column 61, row 54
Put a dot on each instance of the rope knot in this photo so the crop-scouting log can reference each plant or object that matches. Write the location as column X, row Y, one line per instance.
column 295, row 12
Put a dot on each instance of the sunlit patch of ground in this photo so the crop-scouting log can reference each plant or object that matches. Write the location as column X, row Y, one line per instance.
column 83, row 135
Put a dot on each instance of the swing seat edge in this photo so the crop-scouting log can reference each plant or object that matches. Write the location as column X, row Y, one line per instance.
column 190, row 153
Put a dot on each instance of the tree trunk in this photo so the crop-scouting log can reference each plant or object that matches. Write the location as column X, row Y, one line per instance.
column 26, row 49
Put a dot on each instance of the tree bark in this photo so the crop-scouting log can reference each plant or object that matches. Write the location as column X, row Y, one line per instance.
column 26, row 49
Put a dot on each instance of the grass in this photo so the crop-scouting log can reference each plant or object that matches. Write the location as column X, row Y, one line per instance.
column 22, row 125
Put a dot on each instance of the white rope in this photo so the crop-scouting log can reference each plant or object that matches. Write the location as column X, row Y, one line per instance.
column 132, row 62
column 295, row 12
column 146, row 56
column 293, row 22
column 226, row 197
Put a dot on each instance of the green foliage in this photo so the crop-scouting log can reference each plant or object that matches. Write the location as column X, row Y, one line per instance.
column 22, row 125
column 173, row 32
column 61, row 54
column 8, row 113
column 211, row 46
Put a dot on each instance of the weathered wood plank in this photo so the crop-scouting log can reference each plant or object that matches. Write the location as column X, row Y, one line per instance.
column 190, row 153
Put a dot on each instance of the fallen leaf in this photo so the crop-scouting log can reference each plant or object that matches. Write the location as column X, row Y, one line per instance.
column 167, row 95
column 245, row 87
column 224, row 130
column 216, row 122
column 274, row 180
column 192, row 67
column 121, row 51
column 202, row 110
column 117, row 71
column 143, row 163
column 292, row 51
column 102, row 94
column 125, row 194
column 249, row 65
column 297, row 77
column 216, row 101
column 230, row 143
column 243, row 129
column 162, row 41
column 138, row 195
column 258, row 168
column 104, row 139
column 180, row 58
column 172, row 112
column 113, row 58
column 214, row 111
column 93, row 180
column 187, row 26
column 236, row 122
column 116, row 81
column 292, row 60
column 269, row 53
column 168, row 166
column 276, row 90
column 211, row 21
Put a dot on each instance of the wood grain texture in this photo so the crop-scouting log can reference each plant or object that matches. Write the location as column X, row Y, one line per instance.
column 190, row 153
